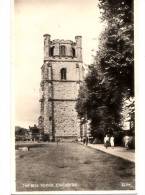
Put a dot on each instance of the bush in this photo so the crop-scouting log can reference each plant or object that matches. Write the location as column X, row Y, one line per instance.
column 45, row 138
column 131, row 144
column 97, row 141
column 118, row 138
column 98, row 135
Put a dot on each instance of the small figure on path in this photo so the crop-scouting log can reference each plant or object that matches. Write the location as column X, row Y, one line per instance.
column 112, row 141
column 86, row 140
column 57, row 141
column 126, row 140
column 106, row 141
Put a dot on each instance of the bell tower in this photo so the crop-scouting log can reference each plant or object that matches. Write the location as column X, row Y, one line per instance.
column 61, row 75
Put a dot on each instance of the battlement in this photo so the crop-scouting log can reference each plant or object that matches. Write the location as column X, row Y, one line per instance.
column 62, row 41
column 62, row 48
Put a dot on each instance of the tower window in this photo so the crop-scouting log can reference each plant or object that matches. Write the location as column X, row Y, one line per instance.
column 63, row 73
column 73, row 53
column 77, row 65
column 51, row 51
column 62, row 51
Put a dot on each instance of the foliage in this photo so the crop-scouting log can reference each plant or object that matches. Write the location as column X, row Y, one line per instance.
column 117, row 62
column 45, row 137
column 131, row 143
column 21, row 134
column 20, row 130
column 128, row 113
column 111, row 78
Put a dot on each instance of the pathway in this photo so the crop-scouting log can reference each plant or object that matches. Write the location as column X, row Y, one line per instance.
column 117, row 151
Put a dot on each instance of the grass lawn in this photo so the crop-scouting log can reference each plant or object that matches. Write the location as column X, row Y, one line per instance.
column 70, row 166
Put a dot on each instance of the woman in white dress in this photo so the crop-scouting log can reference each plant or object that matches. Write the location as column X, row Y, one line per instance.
column 112, row 141
column 106, row 141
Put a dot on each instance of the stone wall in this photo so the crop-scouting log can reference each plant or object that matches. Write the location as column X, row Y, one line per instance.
column 65, row 90
column 73, row 70
column 65, row 119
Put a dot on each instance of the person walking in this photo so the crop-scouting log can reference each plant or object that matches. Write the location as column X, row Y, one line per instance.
column 106, row 141
column 112, row 141
column 126, row 140
column 84, row 140
column 87, row 140
column 57, row 140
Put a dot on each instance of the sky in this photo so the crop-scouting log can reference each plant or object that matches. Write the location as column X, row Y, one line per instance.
column 62, row 19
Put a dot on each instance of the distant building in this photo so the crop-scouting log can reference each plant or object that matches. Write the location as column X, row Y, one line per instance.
column 34, row 133
column 62, row 73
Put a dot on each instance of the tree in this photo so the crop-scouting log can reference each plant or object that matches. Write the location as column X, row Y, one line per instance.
column 117, row 62
column 21, row 133
column 118, row 59
column 111, row 78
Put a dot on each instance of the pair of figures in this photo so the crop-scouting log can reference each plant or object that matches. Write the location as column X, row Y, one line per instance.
column 109, row 141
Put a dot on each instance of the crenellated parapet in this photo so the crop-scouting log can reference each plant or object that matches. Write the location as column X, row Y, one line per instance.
column 62, row 49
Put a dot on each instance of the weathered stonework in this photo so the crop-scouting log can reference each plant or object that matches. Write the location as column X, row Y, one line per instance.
column 61, row 73
column 65, row 119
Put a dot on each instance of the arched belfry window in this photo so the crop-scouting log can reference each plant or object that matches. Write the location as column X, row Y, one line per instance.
column 73, row 53
column 62, row 50
column 51, row 51
column 63, row 73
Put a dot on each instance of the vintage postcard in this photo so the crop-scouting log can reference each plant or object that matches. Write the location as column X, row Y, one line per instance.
column 73, row 97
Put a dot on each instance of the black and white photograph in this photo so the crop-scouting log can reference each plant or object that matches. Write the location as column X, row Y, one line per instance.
column 73, row 84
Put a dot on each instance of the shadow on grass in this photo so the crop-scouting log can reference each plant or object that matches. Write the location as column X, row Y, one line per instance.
column 29, row 145
column 87, row 162
column 61, row 166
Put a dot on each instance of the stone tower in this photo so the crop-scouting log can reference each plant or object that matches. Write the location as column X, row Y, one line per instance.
column 62, row 73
